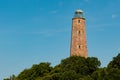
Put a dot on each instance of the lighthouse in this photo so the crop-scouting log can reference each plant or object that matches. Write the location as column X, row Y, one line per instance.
column 78, row 36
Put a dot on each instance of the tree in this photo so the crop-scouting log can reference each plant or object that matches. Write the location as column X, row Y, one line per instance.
column 113, row 74
column 55, row 76
column 93, row 64
column 13, row 77
column 39, row 70
column 106, row 74
column 6, row 79
column 69, row 75
column 86, row 78
column 115, row 63
column 81, row 65
column 100, row 74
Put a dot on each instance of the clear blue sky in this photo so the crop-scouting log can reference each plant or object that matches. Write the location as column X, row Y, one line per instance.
column 34, row 31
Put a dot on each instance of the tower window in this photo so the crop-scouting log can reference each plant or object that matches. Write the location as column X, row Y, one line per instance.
column 78, row 32
column 78, row 21
column 78, row 46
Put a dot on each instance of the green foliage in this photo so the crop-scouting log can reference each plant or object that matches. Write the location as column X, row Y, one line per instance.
column 74, row 63
column 92, row 64
column 56, row 69
column 39, row 70
column 86, row 78
column 106, row 74
column 113, row 74
column 81, row 65
column 6, row 79
column 115, row 63
column 72, row 68
column 69, row 75
column 100, row 74
column 13, row 77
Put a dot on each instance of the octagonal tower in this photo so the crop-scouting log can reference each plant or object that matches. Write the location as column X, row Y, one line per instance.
column 78, row 36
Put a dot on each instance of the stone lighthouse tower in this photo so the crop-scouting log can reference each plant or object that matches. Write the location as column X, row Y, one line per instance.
column 78, row 36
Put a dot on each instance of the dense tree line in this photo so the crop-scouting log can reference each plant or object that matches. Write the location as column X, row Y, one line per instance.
column 72, row 68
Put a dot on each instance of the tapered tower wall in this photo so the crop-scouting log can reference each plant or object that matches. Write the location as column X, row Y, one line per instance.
column 78, row 37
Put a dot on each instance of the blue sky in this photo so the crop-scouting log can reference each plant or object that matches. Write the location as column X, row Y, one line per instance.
column 34, row 31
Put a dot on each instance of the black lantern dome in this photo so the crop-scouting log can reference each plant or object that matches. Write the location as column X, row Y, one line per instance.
column 78, row 14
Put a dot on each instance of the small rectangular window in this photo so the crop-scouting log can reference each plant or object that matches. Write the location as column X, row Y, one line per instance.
column 78, row 46
column 78, row 21
column 78, row 32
